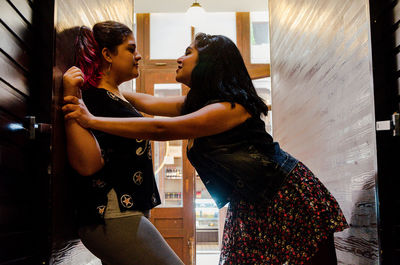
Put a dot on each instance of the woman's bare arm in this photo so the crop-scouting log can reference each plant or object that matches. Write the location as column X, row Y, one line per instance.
column 211, row 119
column 83, row 150
column 158, row 106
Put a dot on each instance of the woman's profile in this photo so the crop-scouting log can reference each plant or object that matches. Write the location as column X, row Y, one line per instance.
column 116, row 188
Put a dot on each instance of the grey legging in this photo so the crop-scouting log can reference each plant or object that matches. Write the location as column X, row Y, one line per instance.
column 128, row 241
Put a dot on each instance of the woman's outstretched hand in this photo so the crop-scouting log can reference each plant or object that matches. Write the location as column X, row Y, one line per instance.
column 72, row 82
column 74, row 108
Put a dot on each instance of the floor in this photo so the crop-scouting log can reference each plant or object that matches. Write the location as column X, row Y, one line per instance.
column 207, row 254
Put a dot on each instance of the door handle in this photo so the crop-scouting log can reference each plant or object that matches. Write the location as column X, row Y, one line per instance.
column 393, row 124
column 36, row 128
column 31, row 127
column 396, row 124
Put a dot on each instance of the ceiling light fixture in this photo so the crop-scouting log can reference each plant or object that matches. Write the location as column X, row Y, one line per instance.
column 195, row 14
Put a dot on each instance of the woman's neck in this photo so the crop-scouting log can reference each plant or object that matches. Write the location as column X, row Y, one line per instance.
column 112, row 86
column 109, row 84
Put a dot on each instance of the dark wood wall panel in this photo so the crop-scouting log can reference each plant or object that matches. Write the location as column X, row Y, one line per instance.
column 12, row 19
column 13, row 242
column 396, row 11
column 8, row 183
column 8, row 155
column 24, row 181
column 23, row 8
column 11, row 132
column 323, row 107
column 12, row 214
column 13, row 74
column 12, row 101
column 18, row 186
column 14, row 48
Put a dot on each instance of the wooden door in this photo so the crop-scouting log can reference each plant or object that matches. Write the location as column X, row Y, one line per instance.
column 174, row 174
column 24, row 152
column 175, row 218
column 385, row 34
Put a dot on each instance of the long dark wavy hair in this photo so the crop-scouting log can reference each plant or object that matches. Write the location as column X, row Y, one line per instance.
column 221, row 75
column 89, row 44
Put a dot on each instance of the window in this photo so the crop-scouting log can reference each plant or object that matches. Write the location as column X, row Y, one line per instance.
column 168, row 42
column 259, row 38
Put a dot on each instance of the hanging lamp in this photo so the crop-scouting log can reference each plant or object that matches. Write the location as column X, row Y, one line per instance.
column 195, row 14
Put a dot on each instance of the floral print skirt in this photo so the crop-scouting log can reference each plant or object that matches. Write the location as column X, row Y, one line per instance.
column 286, row 231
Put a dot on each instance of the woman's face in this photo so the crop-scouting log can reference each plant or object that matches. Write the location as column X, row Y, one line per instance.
column 186, row 64
column 125, row 62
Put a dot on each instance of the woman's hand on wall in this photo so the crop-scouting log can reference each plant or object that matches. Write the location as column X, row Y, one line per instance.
column 72, row 82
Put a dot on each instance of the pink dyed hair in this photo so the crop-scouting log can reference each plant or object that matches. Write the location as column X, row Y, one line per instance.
column 88, row 57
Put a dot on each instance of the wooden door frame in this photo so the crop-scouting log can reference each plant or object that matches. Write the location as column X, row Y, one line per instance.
column 162, row 217
column 256, row 71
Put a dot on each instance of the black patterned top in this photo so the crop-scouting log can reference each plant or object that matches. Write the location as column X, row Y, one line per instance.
column 128, row 165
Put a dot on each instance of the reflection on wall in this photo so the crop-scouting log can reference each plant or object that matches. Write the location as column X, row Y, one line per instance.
column 322, row 98
column 77, row 12
column 69, row 16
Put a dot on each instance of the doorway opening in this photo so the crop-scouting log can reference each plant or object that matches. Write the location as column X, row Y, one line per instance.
column 163, row 33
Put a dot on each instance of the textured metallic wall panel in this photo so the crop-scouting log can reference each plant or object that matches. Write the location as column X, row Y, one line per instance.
column 323, row 105
column 88, row 12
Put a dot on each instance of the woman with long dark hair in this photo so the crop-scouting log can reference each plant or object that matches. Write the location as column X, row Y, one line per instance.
column 116, row 188
column 279, row 212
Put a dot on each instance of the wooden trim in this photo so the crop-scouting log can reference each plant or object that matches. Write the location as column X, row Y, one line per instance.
column 243, row 35
column 140, row 46
column 256, row 71
column 143, row 35
column 162, row 211
column 146, row 37
column 160, row 64
column 188, row 202
column 192, row 32
column 172, row 233
column 176, row 224
column 243, row 43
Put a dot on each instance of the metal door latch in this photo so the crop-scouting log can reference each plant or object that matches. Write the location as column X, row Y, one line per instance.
column 34, row 128
column 393, row 124
column 30, row 127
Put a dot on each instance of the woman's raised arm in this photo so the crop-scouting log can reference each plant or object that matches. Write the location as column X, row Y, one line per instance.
column 83, row 151
column 159, row 106
column 211, row 119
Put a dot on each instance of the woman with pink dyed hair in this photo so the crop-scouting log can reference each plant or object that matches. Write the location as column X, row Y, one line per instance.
column 116, row 188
